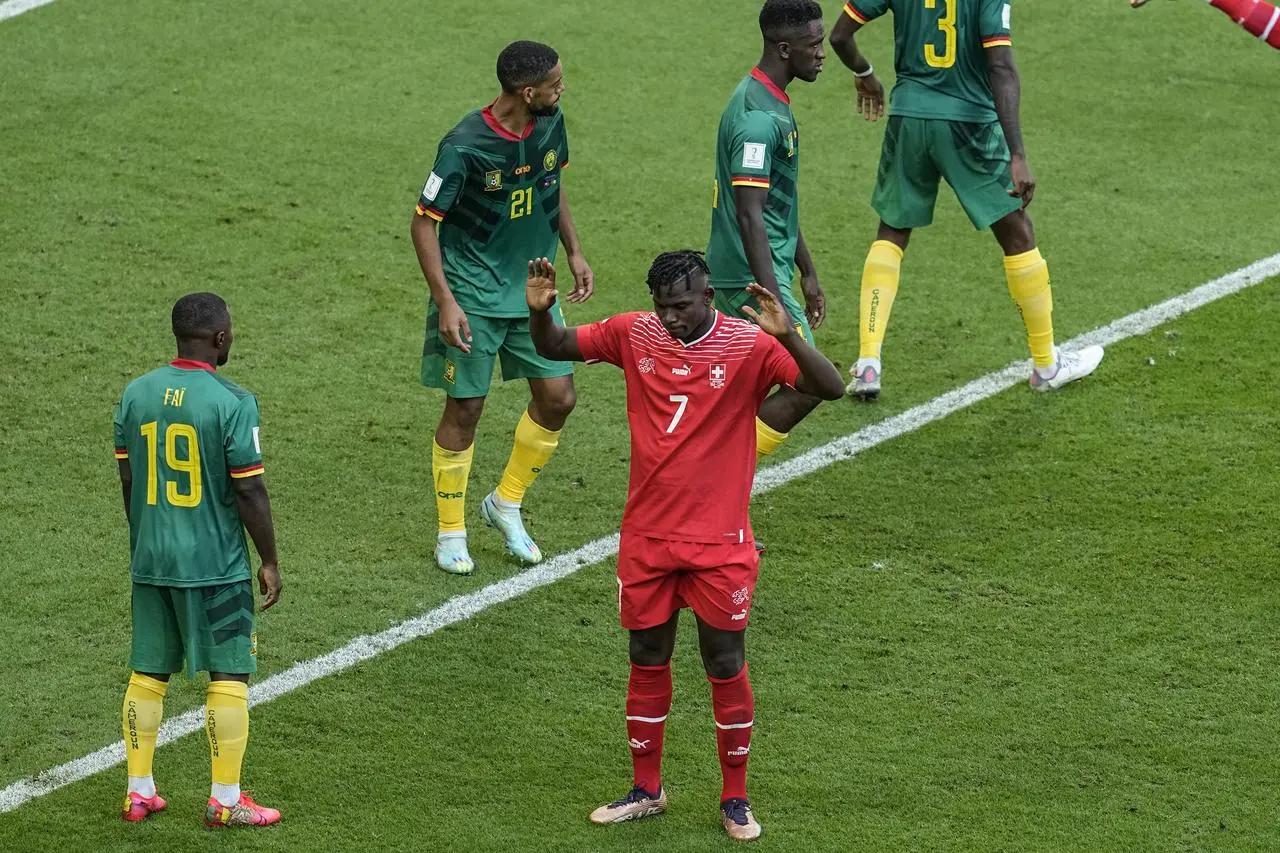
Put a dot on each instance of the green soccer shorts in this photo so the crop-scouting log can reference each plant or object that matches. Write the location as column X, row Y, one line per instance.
column 469, row 374
column 210, row 627
column 732, row 301
column 972, row 157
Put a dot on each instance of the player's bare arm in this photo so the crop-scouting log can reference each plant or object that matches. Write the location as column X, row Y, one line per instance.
column 1007, row 91
column 818, row 377
column 553, row 341
column 869, row 89
column 255, row 511
column 126, row 484
column 454, row 327
column 755, row 239
column 584, row 280
column 815, row 301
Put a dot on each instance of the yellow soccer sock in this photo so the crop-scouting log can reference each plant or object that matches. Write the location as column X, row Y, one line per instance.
column 768, row 439
column 533, row 446
column 1028, row 277
column 879, row 287
column 143, row 710
column 227, row 719
column 451, row 469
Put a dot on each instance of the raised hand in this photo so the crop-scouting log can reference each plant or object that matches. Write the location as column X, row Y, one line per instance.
column 540, row 289
column 771, row 317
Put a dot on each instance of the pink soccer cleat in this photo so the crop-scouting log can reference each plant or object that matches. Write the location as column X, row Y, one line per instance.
column 244, row 813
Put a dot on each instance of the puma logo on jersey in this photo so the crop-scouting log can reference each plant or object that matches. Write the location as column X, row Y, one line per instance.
column 682, row 370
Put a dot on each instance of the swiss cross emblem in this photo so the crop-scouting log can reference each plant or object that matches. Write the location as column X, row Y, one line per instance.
column 718, row 374
column 741, row 596
column 646, row 365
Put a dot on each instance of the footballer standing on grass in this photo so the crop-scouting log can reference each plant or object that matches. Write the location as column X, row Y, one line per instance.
column 954, row 115
column 695, row 379
column 190, row 462
column 494, row 199
column 755, row 204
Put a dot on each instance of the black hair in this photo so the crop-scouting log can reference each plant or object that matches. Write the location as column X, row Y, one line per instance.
column 779, row 19
column 672, row 268
column 199, row 315
column 525, row 63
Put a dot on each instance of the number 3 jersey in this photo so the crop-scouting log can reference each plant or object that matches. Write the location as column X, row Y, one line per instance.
column 692, row 412
column 187, row 433
column 939, row 54
column 496, row 196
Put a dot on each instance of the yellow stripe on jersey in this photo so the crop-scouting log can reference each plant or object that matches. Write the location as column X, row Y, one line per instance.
column 251, row 471
column 750, row 182
column 431, row 212
column 997, row 41
column 122, row 454
column 854, row 13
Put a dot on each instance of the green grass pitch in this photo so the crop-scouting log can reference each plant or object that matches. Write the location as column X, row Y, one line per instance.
column 1044, row 623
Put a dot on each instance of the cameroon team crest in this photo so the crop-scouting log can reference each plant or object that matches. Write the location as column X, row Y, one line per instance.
column 549, row 160
column 450, row 371
column 493, row 180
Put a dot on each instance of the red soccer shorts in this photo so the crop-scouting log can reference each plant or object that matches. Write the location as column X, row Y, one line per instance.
column 656, row 578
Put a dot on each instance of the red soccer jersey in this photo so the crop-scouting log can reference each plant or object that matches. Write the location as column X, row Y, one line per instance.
column 691, row 408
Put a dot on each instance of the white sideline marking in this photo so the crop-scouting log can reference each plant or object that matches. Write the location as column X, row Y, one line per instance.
column 14, row 8
column 465, row 606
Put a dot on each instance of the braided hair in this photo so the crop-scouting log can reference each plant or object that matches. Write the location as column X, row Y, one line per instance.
column 673, row 268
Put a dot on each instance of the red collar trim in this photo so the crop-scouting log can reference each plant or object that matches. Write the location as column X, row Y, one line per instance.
column 496, row 126
column 192, row 364
column 770, row 85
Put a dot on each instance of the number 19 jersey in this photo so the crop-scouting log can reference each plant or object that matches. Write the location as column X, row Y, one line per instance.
column 187, row 433
column 691, row 409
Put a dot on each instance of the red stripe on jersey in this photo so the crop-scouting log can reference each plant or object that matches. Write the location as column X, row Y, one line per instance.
column 854, row 13
column 770, row 85
column 496, row 126
column 192, row 364
column 997, row 41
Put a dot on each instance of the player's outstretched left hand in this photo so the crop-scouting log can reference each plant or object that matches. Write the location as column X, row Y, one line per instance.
column 540, row 289
column 771, row 317
column 584, row 280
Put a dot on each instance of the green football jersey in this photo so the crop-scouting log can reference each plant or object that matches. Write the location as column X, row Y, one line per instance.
column 187, row 432
column 939, row 54
column 757, row 146
column 497, row 199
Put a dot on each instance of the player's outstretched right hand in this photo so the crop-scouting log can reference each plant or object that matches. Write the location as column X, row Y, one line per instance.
column 540, row 290
column 269, row 584
column 771, row 317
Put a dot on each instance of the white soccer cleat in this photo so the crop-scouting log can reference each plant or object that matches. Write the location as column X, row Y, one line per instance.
column 1071, row 366
column 637, row 804
column 519, row 544
column 865, row 384
column 452, row 555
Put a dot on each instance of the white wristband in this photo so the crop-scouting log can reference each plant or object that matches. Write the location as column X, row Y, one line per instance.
column 870, row 70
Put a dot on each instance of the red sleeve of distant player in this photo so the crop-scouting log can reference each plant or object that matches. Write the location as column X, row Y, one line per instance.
column 605, row 341
column 777, row 367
